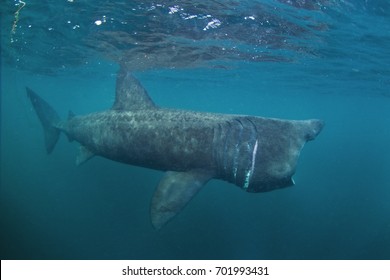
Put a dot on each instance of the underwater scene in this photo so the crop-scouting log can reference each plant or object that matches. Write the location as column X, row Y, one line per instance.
column 255, row 129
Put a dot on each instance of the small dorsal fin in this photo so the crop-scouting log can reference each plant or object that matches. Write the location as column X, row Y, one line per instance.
column 130, row 95
column 71, row 115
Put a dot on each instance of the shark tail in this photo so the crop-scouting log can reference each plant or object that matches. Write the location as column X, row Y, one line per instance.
column 49, row 119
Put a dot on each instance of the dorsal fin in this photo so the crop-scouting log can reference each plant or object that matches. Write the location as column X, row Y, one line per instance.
column 130, row 95
column 71, row 115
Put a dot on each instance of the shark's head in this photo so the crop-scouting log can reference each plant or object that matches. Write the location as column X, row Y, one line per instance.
column 277, row 153
column 261, row 154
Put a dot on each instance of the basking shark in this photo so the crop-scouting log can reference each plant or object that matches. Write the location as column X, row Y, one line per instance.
column 254, row 153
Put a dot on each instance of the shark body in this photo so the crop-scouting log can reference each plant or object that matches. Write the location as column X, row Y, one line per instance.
column 256, row 154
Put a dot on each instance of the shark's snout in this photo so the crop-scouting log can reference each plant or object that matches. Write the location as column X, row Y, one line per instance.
column 314, row 128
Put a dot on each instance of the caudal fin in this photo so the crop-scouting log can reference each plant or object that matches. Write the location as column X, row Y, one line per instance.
column 48, row 117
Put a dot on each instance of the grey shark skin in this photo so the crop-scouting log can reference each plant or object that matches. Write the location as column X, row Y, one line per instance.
column 256, row 154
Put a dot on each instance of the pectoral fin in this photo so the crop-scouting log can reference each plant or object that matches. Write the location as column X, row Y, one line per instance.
column 173, row 193
column 84, row 155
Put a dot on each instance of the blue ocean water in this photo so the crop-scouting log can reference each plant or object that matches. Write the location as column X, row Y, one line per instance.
column 285, row 59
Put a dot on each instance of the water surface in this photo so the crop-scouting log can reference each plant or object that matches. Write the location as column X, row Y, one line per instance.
column 285, row 59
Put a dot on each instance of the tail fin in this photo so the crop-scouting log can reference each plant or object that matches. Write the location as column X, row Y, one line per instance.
column 48, row 117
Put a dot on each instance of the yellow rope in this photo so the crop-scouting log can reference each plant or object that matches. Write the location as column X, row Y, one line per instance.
column 21, row 4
